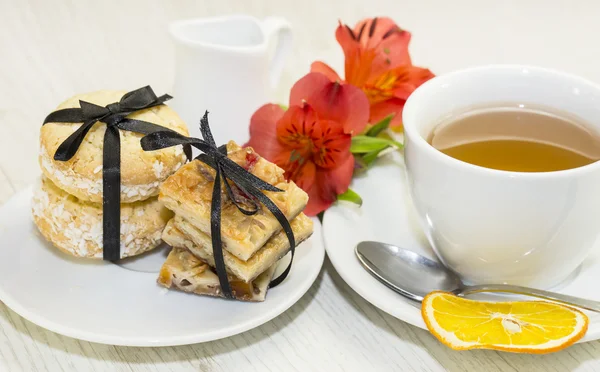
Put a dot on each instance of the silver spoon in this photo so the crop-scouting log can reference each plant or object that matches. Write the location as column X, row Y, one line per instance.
column 414, row 276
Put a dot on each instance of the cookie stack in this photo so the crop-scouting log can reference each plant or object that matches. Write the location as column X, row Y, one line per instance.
column 67, row 203
column 252, row 244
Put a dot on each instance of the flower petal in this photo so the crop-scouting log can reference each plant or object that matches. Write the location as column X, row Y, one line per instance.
column 299, row 127
column 304, row 176
column 347, row 39
column 381, row 45
column 263, row 131
column 402, row 81
column 312, row 139
column 391, row 106
column 345, row 103
column 323, row 68
column 371, row 31
column 392, row 52
column 333, row 146
column 411, row 78
column 328, row 184
column 357, row 62
column 338, row 179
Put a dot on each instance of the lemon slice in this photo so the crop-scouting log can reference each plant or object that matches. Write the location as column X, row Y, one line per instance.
column 521, row 326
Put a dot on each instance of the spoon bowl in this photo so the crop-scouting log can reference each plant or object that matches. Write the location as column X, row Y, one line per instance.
column 418, row 274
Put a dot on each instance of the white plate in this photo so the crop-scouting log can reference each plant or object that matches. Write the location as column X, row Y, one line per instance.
column 122, row 304
column 387, row 215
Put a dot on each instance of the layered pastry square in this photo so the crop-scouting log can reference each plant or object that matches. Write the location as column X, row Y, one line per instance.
column 186, row 272
column 251, row 244
column 188, row 193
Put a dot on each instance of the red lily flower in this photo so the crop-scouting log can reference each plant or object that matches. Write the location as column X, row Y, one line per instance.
column 311, row 140
column 377, row 61
column 344, row 104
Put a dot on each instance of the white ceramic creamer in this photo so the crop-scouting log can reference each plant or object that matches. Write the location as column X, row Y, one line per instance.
column 225, row 65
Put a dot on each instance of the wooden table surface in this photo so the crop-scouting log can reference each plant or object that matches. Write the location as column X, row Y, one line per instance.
column 52, row 49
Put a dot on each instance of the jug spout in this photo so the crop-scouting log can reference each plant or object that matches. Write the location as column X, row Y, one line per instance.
column 231, row 32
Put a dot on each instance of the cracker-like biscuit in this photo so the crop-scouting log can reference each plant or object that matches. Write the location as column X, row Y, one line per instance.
column 141, row 171
column 75, row 226
column 188, row 193
column 180, row 233
column 184, row 271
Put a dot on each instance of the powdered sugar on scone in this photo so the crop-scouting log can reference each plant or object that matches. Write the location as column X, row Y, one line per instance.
column 76, row 227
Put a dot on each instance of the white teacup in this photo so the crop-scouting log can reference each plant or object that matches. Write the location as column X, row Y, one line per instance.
column 493, row 226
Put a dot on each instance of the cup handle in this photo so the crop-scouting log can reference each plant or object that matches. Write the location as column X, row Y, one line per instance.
column 279, row 28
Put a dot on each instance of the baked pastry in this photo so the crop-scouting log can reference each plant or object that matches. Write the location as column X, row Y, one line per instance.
column 180, row 233
column 141, row 171
column 188, row 193
column 75, row 226
column 184, row 271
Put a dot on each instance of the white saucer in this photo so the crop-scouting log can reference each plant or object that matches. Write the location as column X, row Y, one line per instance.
column 387, row 215
column 122, row 304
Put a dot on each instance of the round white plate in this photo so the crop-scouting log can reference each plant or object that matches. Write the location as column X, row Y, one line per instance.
column 387, row 215
column 122, row 304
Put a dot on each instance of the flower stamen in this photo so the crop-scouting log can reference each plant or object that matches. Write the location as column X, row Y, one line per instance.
column 383, row 87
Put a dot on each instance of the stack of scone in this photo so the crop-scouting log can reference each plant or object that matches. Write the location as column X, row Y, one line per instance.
column 252, row 244
column 67, row 203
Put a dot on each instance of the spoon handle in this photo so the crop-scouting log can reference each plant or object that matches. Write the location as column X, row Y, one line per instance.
column 553, row 296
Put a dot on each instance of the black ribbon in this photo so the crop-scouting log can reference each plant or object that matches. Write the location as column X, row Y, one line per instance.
column 114, row 116
column 226, row 170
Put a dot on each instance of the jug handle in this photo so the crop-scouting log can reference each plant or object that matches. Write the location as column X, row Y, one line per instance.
column 279, row 28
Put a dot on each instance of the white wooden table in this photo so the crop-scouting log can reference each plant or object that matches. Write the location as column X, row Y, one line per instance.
column 52, row 49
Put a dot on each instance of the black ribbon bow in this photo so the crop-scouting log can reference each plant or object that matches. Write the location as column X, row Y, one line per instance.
column 227, row 170
column 114, row 116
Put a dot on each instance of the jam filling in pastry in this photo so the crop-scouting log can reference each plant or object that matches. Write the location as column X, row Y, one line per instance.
column 185, row 272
